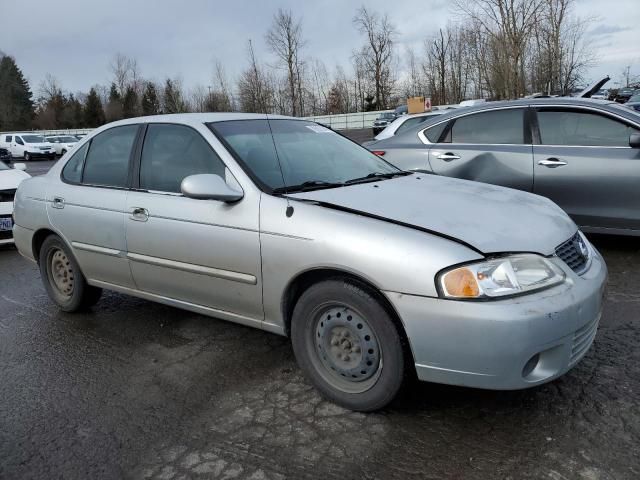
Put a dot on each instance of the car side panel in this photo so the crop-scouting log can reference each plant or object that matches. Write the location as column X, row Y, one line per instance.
column 205, row 252
column 92, row 221
column 505, row 165
column 598, row 187
column 390, row 257
column 406, row 154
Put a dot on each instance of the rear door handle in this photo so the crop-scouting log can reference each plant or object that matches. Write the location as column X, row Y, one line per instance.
column 447, row 157
column 139, row 214
column 552, row 163
column 58, row 202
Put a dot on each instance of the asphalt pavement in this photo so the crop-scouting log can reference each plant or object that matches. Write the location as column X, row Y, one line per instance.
column 134, row 389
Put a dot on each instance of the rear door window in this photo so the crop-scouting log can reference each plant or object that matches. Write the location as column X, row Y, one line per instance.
column 412, row 122
column 107, row 161
column 582, row 128
column 490, row 128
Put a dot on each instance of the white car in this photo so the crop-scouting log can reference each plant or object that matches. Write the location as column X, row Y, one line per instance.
column 10, row 178
column 602, row 94
column 62, row 143
column 404, row 122
column 28, row 146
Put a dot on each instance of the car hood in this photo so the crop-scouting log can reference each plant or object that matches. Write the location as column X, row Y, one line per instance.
column 488, row 218
column 10, row 179
column 589, row 91
column 38, row 145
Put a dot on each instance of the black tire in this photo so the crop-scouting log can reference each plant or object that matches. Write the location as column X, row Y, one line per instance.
column 27, row 156
column 345, row 312
column 62, row 278
column 63, row 152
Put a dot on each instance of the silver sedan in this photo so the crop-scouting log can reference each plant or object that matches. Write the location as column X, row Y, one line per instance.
column 281, row 224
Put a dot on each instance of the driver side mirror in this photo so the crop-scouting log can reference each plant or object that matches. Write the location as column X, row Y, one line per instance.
column 207, row 186
column 20, row 166
column 634, row 140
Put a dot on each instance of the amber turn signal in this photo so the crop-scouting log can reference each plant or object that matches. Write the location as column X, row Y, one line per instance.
column 461, row 283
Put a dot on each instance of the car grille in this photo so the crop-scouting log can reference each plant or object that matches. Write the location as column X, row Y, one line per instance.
column 574, row 253
column 582, row 340
column 7, row 195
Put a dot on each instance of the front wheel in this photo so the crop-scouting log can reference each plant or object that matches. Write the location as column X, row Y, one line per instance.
column 348, row 345
column 27, row 156
column 63, row 279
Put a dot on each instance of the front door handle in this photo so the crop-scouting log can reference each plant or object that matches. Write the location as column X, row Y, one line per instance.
column 447, row 157
column 552, row 163
column 139, row 214
column 58, row 202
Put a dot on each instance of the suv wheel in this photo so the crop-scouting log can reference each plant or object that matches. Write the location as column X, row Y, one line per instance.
column 63, row 279
column 348, row 345
column 27, row 156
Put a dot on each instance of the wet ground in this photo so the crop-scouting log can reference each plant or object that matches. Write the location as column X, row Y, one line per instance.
column 134, row 389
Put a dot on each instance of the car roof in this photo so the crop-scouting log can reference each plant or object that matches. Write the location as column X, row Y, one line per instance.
column 200, row 118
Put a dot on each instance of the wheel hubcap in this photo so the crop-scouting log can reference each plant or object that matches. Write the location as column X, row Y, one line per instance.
column 346, row 345
column 61, row 273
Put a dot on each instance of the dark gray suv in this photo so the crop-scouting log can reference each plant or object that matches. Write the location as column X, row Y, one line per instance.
column 582, row 154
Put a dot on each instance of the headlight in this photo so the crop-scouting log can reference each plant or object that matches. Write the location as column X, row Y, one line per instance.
column 499, row 277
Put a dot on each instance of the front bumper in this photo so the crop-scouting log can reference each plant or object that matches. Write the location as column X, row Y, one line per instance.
column 505, row 344
column 41, row 154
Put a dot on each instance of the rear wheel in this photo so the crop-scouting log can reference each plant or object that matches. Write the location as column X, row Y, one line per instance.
column 62, row 278
column 348, row 345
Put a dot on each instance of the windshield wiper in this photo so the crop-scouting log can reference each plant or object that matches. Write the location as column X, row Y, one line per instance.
column 308, row 185
column 375, row 176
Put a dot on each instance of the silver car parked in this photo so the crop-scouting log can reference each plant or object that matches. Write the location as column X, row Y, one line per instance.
column 582, row 154
column 284, row 225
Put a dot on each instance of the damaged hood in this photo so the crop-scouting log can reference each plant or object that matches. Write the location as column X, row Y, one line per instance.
column 488, row 218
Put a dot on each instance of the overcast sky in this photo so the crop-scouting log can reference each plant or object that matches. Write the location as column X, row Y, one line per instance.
column 75, row 40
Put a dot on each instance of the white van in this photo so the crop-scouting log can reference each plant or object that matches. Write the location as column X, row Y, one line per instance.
column 27, row 146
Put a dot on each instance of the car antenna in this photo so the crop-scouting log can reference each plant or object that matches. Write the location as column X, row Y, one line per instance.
column 289, row 211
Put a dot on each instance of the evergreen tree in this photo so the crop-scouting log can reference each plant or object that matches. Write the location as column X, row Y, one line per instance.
column 93, row 112
column 77, row 115
column 16, row 105
column 130, row 103
column 150, row 103
column 114, row 105
column 173, row 102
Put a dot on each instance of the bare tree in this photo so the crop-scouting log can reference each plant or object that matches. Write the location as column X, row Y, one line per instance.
column 414, row 84
column 509, row 24
column 121, row 67
column 255, row 91
column 284, row 38
column 376, row 55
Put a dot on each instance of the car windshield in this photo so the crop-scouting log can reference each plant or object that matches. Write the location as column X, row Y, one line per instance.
column 33, row 138
column 635, row 98
column 290, row 155
column 387, row 115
